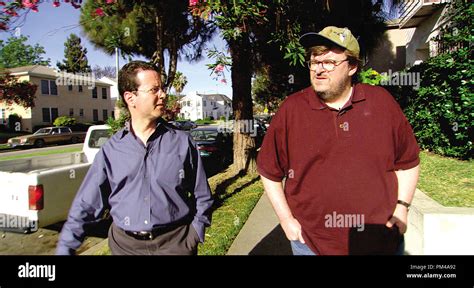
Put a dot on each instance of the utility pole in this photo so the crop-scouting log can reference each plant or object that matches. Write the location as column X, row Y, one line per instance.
column 116, row 64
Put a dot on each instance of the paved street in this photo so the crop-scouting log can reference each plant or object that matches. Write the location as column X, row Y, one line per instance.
column 41, row 242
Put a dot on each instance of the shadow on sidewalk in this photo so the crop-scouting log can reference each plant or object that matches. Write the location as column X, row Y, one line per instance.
column 275, row 243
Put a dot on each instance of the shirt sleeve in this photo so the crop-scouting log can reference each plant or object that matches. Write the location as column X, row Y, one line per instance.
column 406, row 148
column 201, row 190
column 88, row 207
column 272, row 160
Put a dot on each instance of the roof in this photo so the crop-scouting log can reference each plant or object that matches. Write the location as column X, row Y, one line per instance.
column 216, row 97
column 47, row 72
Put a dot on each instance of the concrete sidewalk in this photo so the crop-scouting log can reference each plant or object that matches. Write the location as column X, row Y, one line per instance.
column 261, row 234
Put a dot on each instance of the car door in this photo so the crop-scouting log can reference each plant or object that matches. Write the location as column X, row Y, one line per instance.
column 53, row 136
column 65, row 134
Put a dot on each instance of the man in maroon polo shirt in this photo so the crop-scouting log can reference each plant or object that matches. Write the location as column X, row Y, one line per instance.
column 348, row 155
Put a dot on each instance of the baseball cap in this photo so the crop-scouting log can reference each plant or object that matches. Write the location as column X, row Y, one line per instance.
column 339, row 36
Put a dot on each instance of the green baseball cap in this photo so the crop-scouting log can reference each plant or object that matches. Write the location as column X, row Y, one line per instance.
column 339, row 36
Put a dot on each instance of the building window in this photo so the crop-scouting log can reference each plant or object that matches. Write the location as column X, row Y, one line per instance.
column 71, row 112
column 204, row 103
column 199, row 103
column 53, row 88
column 94, row 92
column 44, row 87
column 46, row 115
column 104, row 93
column 48, row 87
column 49, row 114
column 69, row 88
column 95, row 115
column 81, row 112
column 105, row 114
column 80, row 88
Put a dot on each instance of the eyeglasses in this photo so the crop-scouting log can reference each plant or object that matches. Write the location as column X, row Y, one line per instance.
column 328, row 65
column 154, row 90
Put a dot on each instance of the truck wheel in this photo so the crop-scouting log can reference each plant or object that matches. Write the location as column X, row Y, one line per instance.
column 74, row 140
column 39, row 143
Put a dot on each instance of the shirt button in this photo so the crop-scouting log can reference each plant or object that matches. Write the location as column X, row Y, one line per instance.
column 146, row 222
column 146, row 198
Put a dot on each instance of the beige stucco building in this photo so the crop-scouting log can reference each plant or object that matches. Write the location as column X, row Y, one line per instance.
column 60, row 94
column 410, row 39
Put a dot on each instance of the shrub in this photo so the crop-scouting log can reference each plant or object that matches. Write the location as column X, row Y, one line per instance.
column 64, row 121
column 370, row 76
column 441, row 111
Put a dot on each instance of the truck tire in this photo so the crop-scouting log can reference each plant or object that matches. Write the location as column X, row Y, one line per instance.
column 39, row 143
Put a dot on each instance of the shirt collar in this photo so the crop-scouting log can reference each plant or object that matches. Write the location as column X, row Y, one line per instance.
column 317, row 104
column 160, row 124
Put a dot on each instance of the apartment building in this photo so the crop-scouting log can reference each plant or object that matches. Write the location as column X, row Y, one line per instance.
column 60, row 94
column 410, row 39
column 199, row 106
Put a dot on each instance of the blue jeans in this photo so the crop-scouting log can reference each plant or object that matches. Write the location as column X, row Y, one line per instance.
column 300, row 249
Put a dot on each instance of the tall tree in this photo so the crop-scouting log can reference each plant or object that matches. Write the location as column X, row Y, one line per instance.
column 75, row 56
column 265, row 34
column 15, row 53
column 179, row 82
column 153, row 29
column 13, row 91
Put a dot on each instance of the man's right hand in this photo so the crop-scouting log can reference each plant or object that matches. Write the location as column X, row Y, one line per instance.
column 292, row 229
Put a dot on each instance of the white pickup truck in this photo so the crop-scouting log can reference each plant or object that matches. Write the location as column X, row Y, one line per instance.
column 38, row 191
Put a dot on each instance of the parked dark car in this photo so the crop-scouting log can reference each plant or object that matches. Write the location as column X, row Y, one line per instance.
column 215, row 147
column 184, row 125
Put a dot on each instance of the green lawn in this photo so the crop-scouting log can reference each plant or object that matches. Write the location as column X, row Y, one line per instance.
column 40, row 153
column 448, row 181
column 234, row 203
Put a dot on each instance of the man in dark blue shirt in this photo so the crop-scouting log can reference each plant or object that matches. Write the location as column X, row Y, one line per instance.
column 149, row 176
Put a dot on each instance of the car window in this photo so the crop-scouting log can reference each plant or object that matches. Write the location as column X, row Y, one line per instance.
column 43, row 131
column 64, row 130
column 98, row 138
column 55, row 130
column 204, row 135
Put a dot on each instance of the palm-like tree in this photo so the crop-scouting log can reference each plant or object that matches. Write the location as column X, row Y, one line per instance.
column 179, row 82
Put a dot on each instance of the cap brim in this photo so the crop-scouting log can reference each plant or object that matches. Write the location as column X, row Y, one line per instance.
column 314, row 39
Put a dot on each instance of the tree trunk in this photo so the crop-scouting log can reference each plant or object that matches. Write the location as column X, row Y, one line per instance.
column 158, row 58
column 173, row 63
column 244, row 143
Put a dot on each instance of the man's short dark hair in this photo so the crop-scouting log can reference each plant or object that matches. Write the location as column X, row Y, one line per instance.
column 127, row 77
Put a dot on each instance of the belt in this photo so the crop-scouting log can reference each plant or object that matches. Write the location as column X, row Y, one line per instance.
column 156, row 231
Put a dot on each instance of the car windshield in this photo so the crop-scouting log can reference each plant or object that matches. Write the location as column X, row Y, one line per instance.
column 43, row 131
column 206, row 135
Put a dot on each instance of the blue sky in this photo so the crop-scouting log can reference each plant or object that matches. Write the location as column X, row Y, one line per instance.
column 51, row 26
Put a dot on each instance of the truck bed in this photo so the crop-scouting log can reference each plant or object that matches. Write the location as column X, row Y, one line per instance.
column 42, row 163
